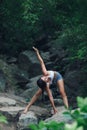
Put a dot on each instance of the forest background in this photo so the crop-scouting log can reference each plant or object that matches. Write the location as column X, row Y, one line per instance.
column 22, row 23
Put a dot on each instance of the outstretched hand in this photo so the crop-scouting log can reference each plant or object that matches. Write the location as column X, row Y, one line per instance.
column 35, row 49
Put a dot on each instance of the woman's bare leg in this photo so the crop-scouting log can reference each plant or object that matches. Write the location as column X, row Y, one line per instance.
column 34, row 98
column 60, row 84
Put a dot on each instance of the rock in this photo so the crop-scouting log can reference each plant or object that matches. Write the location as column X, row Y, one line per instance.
column 27, row 60
column 11, row 112
column 45, row 56
column 42, row 42
column 49, row 65
column 9, row 126
column 12, row 60
column 59, row 117
column 32, row 88
column 72, row 80
column 20, row 101
column 58, row 101
column 40, row 111
column 4, row 101
column 7, row 79
column 22, row 78
column 26, row 119
column 2, row 81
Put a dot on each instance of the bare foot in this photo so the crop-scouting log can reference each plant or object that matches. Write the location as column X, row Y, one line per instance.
column 25, row 110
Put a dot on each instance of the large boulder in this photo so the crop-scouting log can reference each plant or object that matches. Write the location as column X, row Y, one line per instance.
column 73, row 80
column 59, row 116
column 27, row 61
column 31, row 88
column 26, row 119
column 11, row 112
column 22, row 78
column 74, row 84
column 4, row 101
column 7, row 80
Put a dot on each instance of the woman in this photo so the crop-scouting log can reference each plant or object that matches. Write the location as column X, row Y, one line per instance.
column 44, row 84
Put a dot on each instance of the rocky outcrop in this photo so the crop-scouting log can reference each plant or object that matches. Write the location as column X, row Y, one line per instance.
column 31, row 88
column 20, row 77
column 26, row 119
column 7, row 80
column 60, row 117
column 11, row 112
column 4, row 101
column 14, row 113
column 24, row 73
column 27, row 60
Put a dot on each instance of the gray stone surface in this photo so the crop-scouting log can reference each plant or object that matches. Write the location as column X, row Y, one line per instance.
column 59, row 117
column 26, row 119
column 11, row 111
column 4, row 101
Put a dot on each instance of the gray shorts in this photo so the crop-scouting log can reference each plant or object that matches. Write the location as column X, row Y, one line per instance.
column 58, row 77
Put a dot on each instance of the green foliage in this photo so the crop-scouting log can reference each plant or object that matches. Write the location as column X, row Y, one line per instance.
column 53, row 125
column 82, row 103
column 74, row 39
column 3, row 119
column 21, row 22
column 73, row 126
column 78, row 116
column 82, row 52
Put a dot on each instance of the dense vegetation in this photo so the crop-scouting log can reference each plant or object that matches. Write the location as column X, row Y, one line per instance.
column 22, row 22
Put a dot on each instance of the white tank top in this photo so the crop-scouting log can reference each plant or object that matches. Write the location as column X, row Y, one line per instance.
column 51, row 76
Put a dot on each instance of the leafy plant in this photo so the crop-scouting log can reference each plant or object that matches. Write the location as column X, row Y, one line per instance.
column 53, row 125
column 24, row 21
column 3, row 119
column 79, row 115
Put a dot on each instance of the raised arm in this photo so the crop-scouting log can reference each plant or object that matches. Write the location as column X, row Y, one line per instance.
column 44, row 70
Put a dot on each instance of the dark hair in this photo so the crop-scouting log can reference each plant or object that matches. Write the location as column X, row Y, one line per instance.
column 41, row 84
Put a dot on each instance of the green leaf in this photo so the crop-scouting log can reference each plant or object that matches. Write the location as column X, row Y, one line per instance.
column 76, row 114
column 84, row 109
column 80, row 102
column 33, row 127
column 41, row 124
column 80, row 128
column 66, row 113
column 3, row 119
column 71, row 126
column 81, row 121
column 52, row 125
